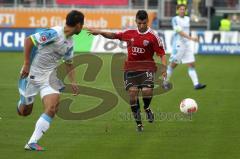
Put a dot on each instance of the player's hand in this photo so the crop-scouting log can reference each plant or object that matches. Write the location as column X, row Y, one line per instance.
column 164, row 72
column 24, row 71
column 165, row 84
column 164, row 75
column 195, row 39
column 75, row 89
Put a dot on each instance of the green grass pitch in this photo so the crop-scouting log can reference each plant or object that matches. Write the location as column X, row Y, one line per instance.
column 212, row 133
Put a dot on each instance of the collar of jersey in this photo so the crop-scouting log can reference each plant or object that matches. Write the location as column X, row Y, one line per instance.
column 181, row 17
column 144, row 32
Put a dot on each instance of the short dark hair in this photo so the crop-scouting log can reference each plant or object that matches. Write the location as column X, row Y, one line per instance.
column 142, row 15
column 74, row 17
column 181, row 5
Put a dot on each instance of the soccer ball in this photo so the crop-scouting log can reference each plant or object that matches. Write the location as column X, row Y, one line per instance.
column 188, row 106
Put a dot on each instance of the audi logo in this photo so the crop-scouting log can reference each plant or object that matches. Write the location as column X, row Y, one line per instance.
column 138, row 50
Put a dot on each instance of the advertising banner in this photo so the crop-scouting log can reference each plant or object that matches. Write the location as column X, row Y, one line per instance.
column 41, row 18
column 216, row 42
column 13, row 39
column 82, row 42
column 219, row 48
column 103, row 45
column 93, row 2
column 210, row 42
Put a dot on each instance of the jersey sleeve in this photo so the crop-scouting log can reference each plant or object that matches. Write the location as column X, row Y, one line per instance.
column 68, row 57
column 176, row 27
column 120, row 35
column 44, row 37
column 158, row 46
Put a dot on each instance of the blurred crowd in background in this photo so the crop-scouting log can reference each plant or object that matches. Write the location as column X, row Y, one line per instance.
column 200, row 13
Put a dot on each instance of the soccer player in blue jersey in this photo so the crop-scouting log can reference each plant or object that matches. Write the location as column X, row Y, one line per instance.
column 38, row 73
column 182, row 52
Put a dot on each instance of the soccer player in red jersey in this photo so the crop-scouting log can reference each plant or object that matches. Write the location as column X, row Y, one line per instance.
column 139, row 66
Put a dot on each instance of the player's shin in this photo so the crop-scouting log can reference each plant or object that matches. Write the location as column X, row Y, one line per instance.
column 135, row 107
column 193, row 75
column 41, row 127
column 149, row 113
column 147, row 101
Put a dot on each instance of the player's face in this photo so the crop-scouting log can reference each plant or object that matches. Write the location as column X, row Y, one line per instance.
column 181, row 11
column 142, row 25
column 78, row 28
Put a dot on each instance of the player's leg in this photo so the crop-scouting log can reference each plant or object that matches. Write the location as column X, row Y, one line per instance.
column 174, row 60
column 189, row 59
column 147, row 93
column 50, row 99
column 24, row 109
column 25, row 104
column 194, row 77
column 131, row 85
column 170, row 69
column 135, row 107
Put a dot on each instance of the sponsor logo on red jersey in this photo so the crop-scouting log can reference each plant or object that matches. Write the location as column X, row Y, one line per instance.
column 138, row 50
column 145, row 42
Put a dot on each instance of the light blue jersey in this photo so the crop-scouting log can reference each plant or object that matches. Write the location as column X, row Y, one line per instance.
column 52, row 46
column 180, row 24
column 182, row 47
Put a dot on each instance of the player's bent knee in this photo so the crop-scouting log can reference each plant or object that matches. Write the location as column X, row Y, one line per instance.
column 133, row 94
column 52, row 110
column 25, row 110
column 147, row 91
column 133, row 91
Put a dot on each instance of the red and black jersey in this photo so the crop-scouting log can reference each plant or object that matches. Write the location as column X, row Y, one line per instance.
column 141, row 48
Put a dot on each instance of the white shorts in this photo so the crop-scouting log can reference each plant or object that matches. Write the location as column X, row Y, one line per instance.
column 182, row 54
column 28, row 90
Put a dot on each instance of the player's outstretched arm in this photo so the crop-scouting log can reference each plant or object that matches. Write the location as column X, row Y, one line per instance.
column 183, row 34
column 28, row 45
column 109, row 35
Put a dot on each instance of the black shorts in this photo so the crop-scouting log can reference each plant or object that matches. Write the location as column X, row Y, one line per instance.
column 139, row 79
